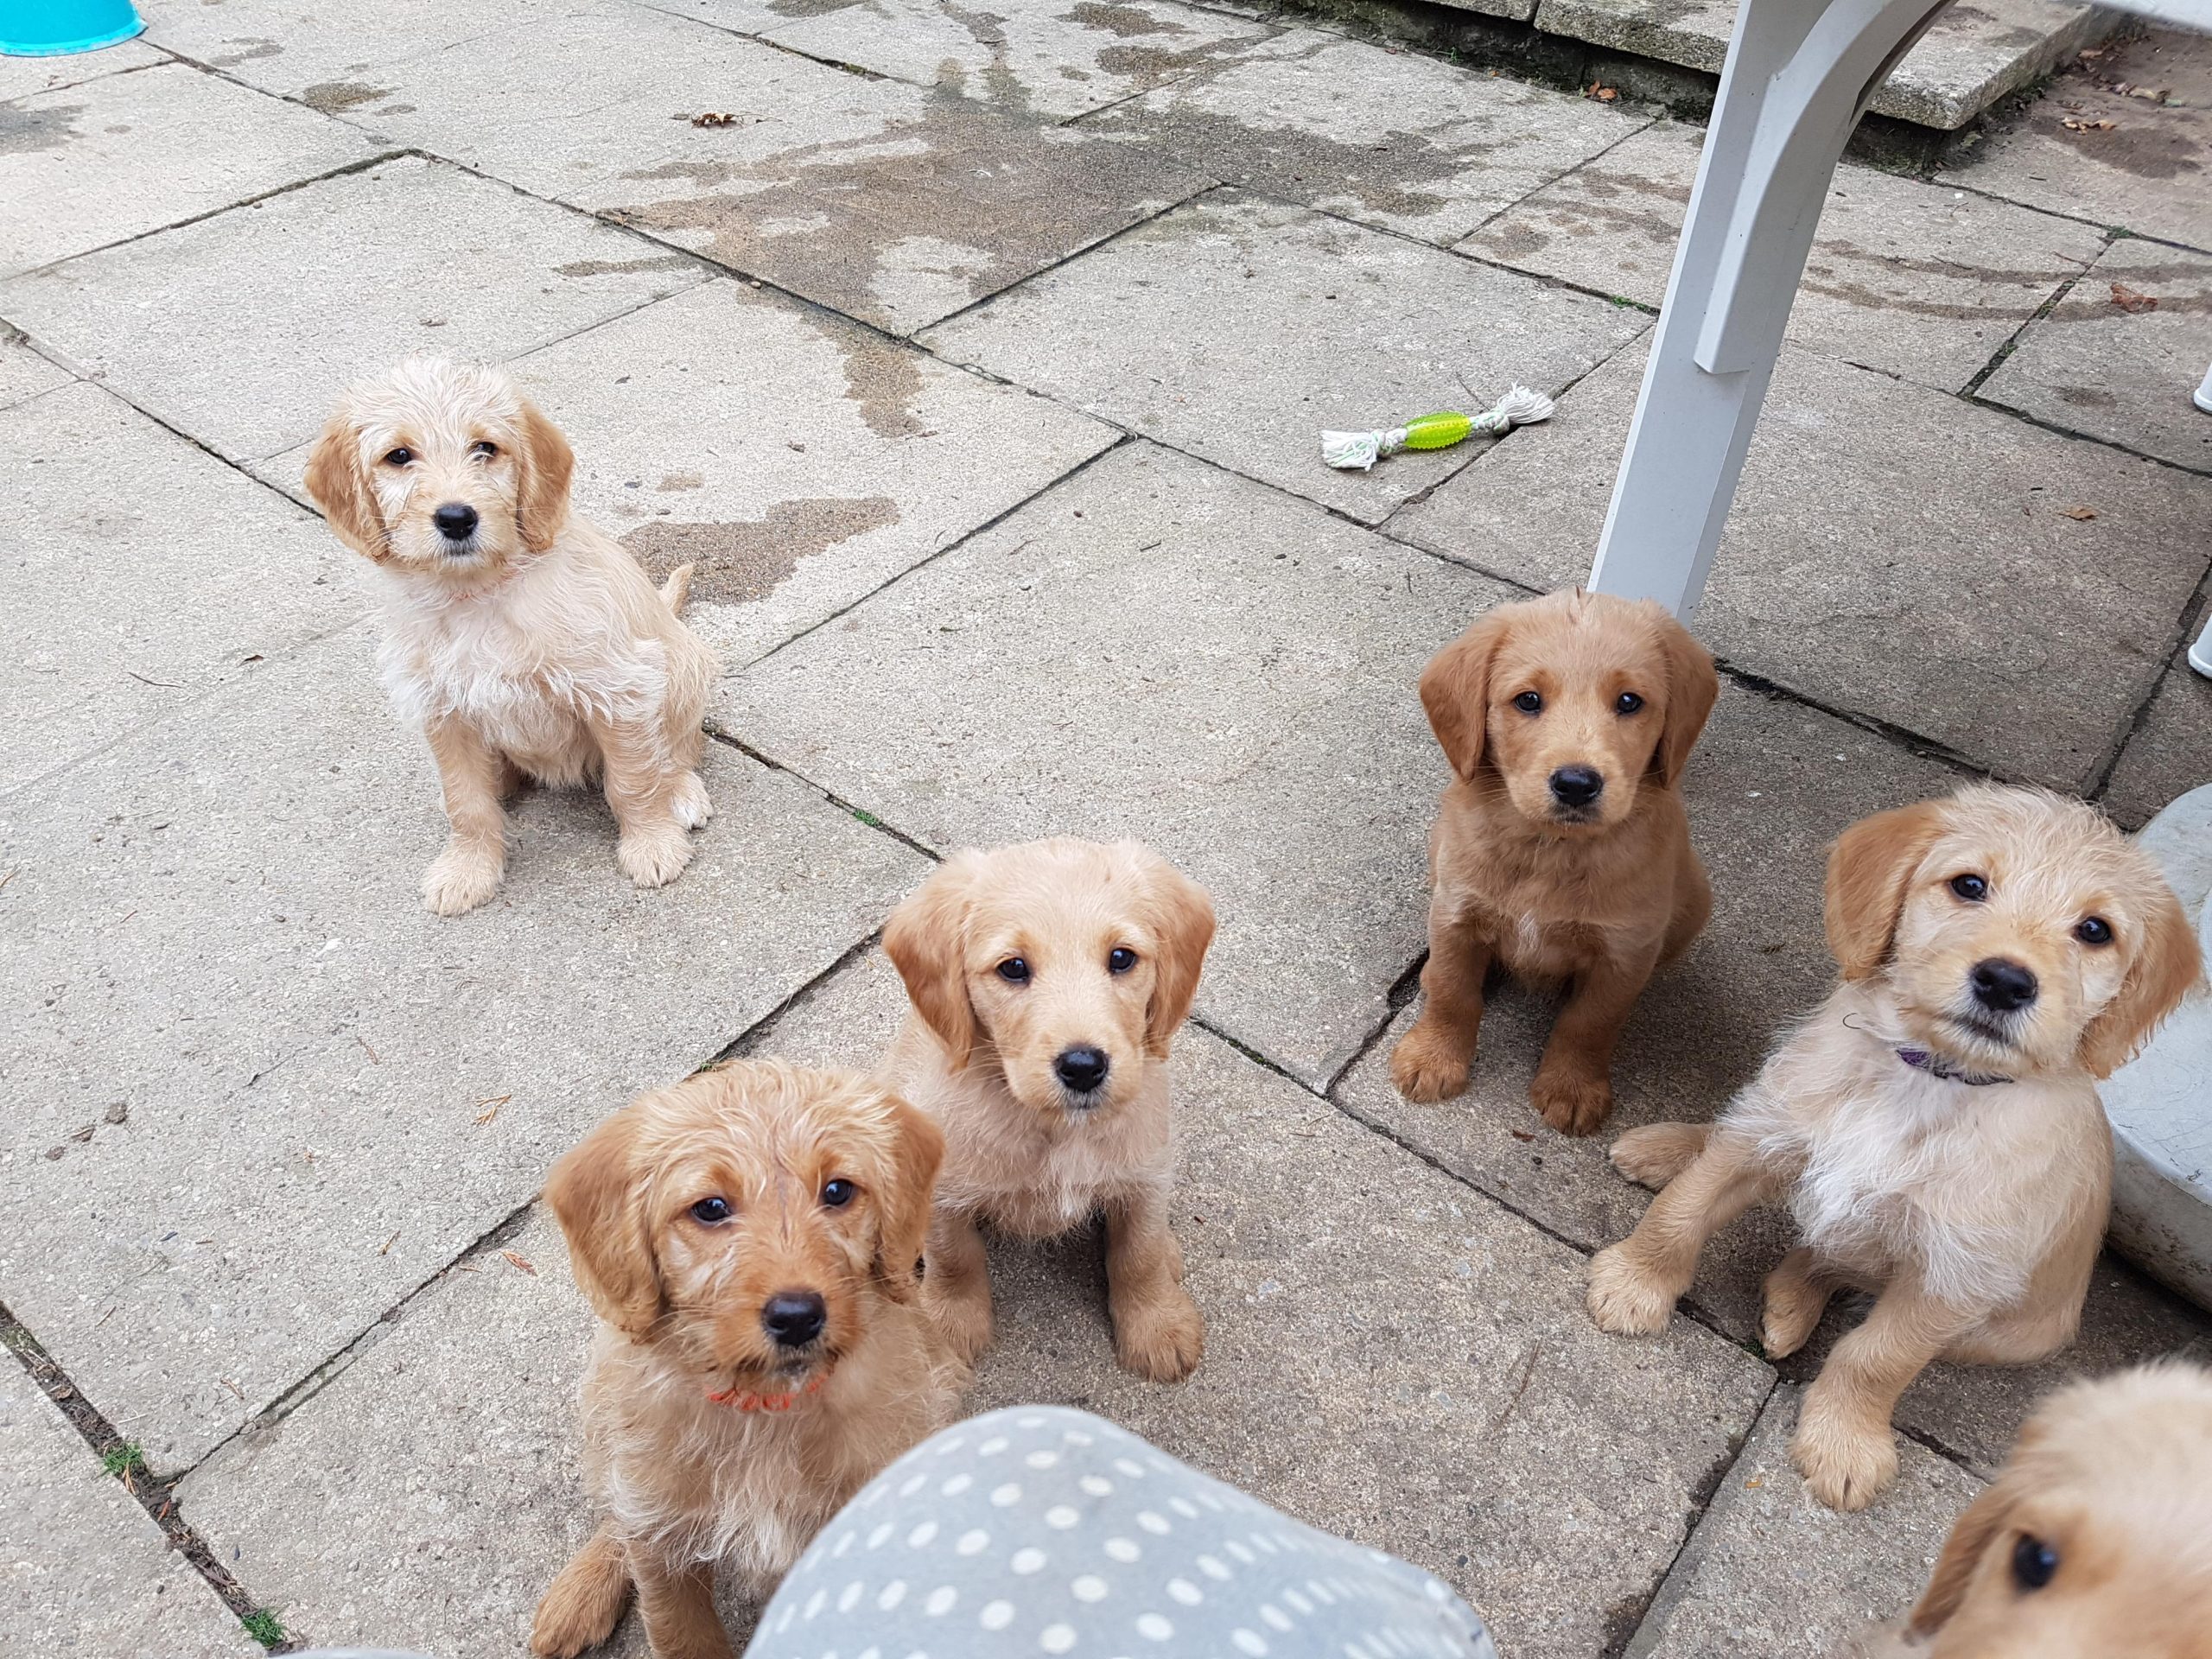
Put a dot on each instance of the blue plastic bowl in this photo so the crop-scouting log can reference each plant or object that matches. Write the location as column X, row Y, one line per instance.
column 50, row 28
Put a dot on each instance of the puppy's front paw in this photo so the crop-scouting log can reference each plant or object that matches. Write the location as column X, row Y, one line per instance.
column 1625, row 1300
column 654, row 857
column 963, row 1323
column 1163, row 1339
column 585, row 1602
column 693, row 806
column 1654, row 1154
column 1571, row 1103
column 459, row 880
column 1845, row 1465
column 1430, row 1064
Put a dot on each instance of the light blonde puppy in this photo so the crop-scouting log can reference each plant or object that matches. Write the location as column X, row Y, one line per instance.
column 2094, row 1542
column 750, row 1240
column 1935, row 1124
column 524, row 642
column 1046, row 981
column 1561, row 851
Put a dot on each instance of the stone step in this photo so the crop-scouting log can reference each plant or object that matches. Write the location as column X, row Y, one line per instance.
column 1975, row 52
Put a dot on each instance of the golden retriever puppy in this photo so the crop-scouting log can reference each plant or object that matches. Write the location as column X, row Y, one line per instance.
column 1560, row 851
column 1046, row 981
column 1934, row 1123
column 526, row 643
column 749, row 1239
column 2095, row 1542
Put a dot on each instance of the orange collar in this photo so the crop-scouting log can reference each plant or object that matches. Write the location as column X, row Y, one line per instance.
column 747, row 1401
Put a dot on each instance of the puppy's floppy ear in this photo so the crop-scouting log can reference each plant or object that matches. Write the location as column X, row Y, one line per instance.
column 1971, row 1536
column 1455, row 691
column 1180, row 914
column 926, row 939
column 599, row 1196
column 2167, row 966
column 547, row 465
column 904, row 1202
column 338, row 482
column 1868, row 869
column 1693, row 686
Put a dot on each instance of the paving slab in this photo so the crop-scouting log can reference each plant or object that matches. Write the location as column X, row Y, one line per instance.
column 798, row 460
column 364, row 1521
column 1157, row 649
column 1953, row 597
column 84, row 1574
column 267, row 1094
column 144, row 573
column 1237, row 328
column 2145, row 173
column 23, row 372
column 330, row 282
column 1050, row 58
column 882, row 201
column 22, row 77
column 2169, row 751
column 2118, row 357
column 124, row 155
column 1971, row 56
column 1770, row 1570
column 327, row 56
column 1771, row 785
column 1372, row 133
column 1920, row 280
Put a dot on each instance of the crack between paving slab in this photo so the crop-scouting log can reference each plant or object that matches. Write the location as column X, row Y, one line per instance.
column 156, row 1495
column 731, row 741
column 2011, row 342
column 105, row 74
column 2192, row 618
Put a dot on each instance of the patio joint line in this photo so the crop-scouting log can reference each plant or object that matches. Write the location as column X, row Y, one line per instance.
column 2192, row 615
column 155, row 1494
column 109, row 74
column 2011, row 343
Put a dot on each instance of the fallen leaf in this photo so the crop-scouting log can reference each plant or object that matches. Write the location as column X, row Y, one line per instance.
column 388, row 1243
column 715, row 118
column 514, row 1259
column 1521, row 1134
column 2131, row 303
column 2082, row 514
column 1604, row 95
column 494, row 1102
column 2073, row 125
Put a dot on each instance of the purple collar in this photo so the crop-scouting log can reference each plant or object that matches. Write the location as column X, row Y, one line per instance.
column 1921, row 1060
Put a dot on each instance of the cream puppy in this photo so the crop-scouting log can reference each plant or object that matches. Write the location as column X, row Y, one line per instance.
column 526, row 643
column 1046, row 982
column 1934, row 1125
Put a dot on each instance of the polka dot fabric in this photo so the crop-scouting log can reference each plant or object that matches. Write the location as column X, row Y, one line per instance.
column 1043, row 1530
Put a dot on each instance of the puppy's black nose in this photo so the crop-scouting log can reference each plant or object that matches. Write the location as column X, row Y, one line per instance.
column 1082, row 1069
column 794, row 1318
column 456, row 521
column 1576, row 785
column 2002, row 986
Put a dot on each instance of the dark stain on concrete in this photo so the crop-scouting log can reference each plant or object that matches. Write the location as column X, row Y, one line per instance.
column 884, row 379
column 2086, row 397
column 23, row 130
column 255, row 47
column 1123, row 21
column 673, row 481
column 336, row 97
column 618, row 267
column 743, row 561
column 811, row 8
column 1001, row 85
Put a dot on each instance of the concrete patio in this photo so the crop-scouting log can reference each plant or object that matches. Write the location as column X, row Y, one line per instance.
column 979, row 363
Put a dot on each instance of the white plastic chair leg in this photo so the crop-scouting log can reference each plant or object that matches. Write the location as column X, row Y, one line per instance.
column 1798, row 76
column 2200, row 654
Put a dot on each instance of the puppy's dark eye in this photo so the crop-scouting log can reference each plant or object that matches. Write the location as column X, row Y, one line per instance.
column 2034, row 1563
column 1014, row 971
column 1627, row 703
column 710, row 1213
column 1120, row 959
column 1529, row 702
column 1972, row 888
column 485, row 447
column 398, row 457
column 2093, row 929
column 836, row 1194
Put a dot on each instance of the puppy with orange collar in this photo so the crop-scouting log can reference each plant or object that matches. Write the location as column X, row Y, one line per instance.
column 750, row 1240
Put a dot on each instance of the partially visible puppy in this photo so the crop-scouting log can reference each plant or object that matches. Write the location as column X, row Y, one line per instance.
column 1560, row 850
column 1935, row 1124
column 749, row 1239
column 1046, row 981
column 524, row 642
column 2094, row 1542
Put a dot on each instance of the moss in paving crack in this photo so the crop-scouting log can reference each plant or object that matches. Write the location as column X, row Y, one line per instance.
column 264, row 1627
column 868, row 818
column 124, row 1460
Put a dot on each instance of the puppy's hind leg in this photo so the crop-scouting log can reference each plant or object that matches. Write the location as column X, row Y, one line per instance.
column 1796, row 1295
column 1634, row 1284
column 585, row 1602
column 956, row 1284
column 1654, row 1154
column 643, row 784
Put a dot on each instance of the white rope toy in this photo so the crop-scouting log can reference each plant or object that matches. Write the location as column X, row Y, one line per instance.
column 1519, row 406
